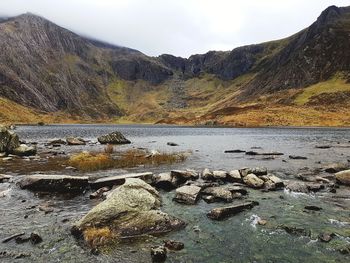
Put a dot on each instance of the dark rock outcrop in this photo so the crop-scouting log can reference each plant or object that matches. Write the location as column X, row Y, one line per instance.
column 113, row 138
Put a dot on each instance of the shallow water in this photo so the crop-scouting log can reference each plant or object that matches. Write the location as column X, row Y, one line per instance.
column 236, row 239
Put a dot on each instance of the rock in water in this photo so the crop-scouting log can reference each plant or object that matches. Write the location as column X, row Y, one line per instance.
column 219, row 193
column 253, row 181
column 174, row 245
column 24, row 150
column 131, row 210
column 8, row 140
column 343, row 177
column 113, row 138
column 224, row 212
column 75, row 141
column 187, row 194
column 54, row 183
column 158, row 254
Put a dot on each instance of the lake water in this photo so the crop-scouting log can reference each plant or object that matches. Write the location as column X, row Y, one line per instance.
column 237, row 239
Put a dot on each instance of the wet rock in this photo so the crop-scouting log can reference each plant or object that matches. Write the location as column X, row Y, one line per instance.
column 219, row 175
column 174, row 245
column 298, row 231
column 5, row 178
column 24, row 150
column 131, row 210
column 272, row 182
column 181, row 176
column 207, row 175
column 253, row 181
column 172, row 144
column 221, row 213
column 244, row 171
column 326, row 237
column 166, row 181
column 237, row 189
column 35, row 238
column 54, row 183
column 158, row 254
column 323, row 146
column 234, row 176
column 343, row 177
column 259, row 171
column 57, row 142
column 187, row 194
column 8, row 140
column 315, row 187
column 263, row 153
column 297, row 157
column 297, row 187
column 336, row 167
column 313, row 208
column 218, row 194
column 234, row 151
column 75, row 141
column 113, row 138
column 120, row 179
column 99, row 192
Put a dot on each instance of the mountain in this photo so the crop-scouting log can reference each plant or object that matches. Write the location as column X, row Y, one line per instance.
column 60, row 76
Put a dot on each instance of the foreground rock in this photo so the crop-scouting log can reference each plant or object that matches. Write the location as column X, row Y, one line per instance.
column 131, row 210
column 187, row 194
column 343, row 177
column 54, row 183
column 158, row 254
column 75, row 141
column 24, row 150
column 113, row 138
column 8, row 140
column 224, row 212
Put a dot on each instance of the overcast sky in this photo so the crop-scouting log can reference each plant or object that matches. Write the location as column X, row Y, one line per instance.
column 178, row 27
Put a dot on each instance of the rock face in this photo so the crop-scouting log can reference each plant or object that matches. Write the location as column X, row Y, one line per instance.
column 54, row 183
column 343, row 177
column 113, row 138
column 187, row 194
column 24, row 150
column 253, row 181
column 132, row 209
column 224, row 212
column 8, row 140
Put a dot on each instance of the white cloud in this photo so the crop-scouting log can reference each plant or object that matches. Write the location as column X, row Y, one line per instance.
column 179, row 27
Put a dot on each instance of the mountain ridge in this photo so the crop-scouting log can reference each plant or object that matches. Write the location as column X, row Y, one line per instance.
column 50, row 69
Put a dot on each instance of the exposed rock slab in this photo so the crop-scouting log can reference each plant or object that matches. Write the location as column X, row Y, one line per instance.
column 227, row 211
column 54, row 183
column 187, row 194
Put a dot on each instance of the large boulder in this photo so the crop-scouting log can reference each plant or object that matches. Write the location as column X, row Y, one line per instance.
column 24, row 150
column 343, row 177
column 113, row 138
column 187, row 194
column 131, row 210
column 54, row 183
column 8, row 140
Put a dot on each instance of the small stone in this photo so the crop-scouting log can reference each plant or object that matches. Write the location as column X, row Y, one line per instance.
column 158, row 254
column 172, row 144
column 174, row 245
column 262, row 222
column 313, row 208
column 326, row 237
column 35, row 238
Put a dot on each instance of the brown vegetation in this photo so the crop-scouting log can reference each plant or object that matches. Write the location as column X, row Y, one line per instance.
column 86, row 161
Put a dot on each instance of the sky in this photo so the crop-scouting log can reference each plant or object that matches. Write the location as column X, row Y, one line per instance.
column 178, row 27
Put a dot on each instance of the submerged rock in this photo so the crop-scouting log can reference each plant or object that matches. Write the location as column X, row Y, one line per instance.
column 343, row 177
column 187, row 194
column 297, row 187
column 336, row 167
column 234, row 151
column 75, row 141
column 54, row 183
column 131, row 210
column 224, row 212
column 113, row 138
column 172, row 144
column 298, row 231
column 174, row 245
column 326, row 237
column 297, row 157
